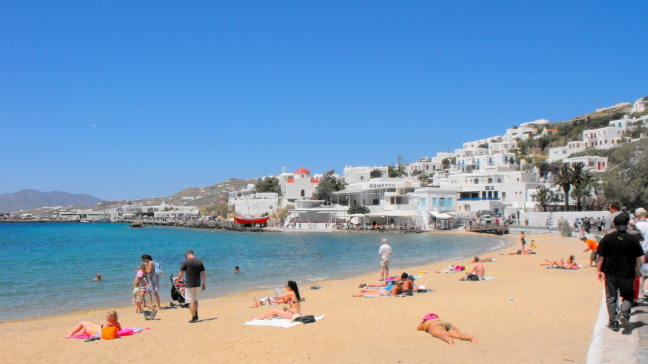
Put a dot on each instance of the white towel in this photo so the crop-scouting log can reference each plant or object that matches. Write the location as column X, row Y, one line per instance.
column 278, row 322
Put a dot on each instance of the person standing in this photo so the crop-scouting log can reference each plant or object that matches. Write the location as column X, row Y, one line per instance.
column 385, row 253
column 522, row 240
column 641, row 225
column 193, row 270
column 153, row 276
column 614, row 209
column 620, row 257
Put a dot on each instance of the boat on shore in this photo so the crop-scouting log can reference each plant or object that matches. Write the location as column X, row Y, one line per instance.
column 251, row 220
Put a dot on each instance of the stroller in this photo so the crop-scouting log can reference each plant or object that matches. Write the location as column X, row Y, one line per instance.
column 177, row 293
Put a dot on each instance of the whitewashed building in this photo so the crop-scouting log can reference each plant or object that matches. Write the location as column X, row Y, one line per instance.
column 297, row 185
column 591, row 162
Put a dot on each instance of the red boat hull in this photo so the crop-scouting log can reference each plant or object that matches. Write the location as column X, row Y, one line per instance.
column 257, row 220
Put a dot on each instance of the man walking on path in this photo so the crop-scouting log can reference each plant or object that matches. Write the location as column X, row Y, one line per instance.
column 194, row 271
column 385, row 253
column 620, row 256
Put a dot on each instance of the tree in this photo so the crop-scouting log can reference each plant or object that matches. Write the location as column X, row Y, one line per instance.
column 269, row 184
column 563, row 179
column 626, row 179
column 446, row 163
column 545, row 196
column 581, row 181
column 217, row 209
column 357, row 209
column 327, row 185
column 375, row 173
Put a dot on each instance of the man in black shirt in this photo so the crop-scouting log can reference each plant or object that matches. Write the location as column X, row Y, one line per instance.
column 618, row 264
column 195, row 273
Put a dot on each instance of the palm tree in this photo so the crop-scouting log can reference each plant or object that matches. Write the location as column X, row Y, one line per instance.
column 581, row 178
column 564, row 179
column 544, row 196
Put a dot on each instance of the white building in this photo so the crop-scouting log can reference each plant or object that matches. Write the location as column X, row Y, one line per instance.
column 560, row 153
column 298, row 185
column 593, row 163
column 362, row 174
column 603, row 138
column 248, row 202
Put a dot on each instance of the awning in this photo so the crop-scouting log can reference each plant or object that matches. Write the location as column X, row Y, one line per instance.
column 395, row 213
column 440, row 216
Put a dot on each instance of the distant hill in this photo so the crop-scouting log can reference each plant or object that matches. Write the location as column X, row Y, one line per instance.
column 33, row 199
column 200, row 196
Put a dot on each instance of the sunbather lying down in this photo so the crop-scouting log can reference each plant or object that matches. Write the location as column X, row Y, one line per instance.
column 443, row 330
column 524, row 251
column 391, row 290
column 561, row 263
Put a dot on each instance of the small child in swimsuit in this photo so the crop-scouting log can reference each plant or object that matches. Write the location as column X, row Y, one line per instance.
column 137, row 295
column 443, row 330
column 92, row 329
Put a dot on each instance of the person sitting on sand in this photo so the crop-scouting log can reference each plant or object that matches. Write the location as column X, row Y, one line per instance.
column 483, row 260
column 408, row 285
column 392, row 290
column 292, row 298
column 477, row 269
column 524, row 251
column 91, row 329
column 443, row 330
column 561, row 263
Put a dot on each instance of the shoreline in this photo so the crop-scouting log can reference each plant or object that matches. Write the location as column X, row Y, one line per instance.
column 549, row 313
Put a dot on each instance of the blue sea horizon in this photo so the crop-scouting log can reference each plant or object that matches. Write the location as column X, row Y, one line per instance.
column 54, row 263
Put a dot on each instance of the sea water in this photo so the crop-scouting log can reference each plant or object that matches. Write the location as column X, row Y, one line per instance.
column 49, row 267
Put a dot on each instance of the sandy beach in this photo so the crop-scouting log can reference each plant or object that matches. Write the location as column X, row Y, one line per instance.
column 525, row 314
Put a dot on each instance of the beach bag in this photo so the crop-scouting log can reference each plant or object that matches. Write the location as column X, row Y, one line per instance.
column 157, row 270
column 109, row 333
column 307, row 319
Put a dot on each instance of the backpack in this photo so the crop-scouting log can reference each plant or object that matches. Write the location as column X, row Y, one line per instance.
column 157, row 270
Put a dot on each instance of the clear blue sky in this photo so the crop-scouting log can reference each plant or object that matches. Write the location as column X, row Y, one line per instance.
column 136, row 99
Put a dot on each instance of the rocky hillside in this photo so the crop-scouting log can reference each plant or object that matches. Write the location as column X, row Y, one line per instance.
column 32, row 199
column 200, row 196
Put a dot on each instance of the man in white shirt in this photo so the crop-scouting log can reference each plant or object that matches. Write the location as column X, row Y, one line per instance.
column 385, row 253
column 641, row 225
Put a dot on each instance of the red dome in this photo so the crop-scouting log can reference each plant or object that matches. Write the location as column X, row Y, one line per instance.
column 302, row 171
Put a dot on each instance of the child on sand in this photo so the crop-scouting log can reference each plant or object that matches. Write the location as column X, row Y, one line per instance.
column 137, row 295
column 94, row 330
column 443, row 330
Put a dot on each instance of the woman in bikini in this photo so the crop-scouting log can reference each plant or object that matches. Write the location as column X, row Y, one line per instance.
column 560, row 263
column 292, row 298
column 91, row 329
column 443, row 330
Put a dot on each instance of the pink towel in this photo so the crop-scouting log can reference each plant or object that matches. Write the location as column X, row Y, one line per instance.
column 125, row 331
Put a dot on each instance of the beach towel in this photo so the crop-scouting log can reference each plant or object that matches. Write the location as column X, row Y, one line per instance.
column 483, row 279
column 278, row 322
column 125, row 331
column 572, row 268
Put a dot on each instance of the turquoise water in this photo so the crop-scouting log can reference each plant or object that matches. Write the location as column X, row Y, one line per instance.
column 52, row 264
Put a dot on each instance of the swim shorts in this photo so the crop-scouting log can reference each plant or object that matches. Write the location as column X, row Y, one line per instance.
column 384, row 262
column 191, row 294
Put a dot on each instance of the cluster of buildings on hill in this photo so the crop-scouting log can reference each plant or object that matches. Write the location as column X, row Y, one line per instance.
column 483, row 175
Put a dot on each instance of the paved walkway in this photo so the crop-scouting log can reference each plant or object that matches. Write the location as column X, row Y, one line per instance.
column 624, row 346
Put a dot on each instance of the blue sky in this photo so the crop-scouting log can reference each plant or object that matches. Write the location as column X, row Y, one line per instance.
column 134, row 99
